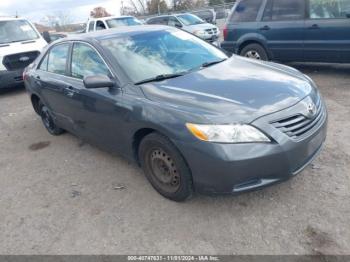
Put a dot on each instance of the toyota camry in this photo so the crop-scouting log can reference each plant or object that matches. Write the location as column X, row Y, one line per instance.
column 193, row 118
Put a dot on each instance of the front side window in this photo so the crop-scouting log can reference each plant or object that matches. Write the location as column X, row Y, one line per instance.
column 58, row 59
column 87, row 62
column 100, row 25
column 285, row 10
column 155, row 53
column 329, row 9
column 16, row 31
column 246, row 11
column 188, row 19
column 173, row 21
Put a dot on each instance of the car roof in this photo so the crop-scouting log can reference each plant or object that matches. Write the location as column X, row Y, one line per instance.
column 110, row 17
column 169, row 15
column 120, row 31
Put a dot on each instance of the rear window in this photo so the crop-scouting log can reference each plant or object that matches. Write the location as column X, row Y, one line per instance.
column 329, row 10
column 284, row 10
column 246, row 11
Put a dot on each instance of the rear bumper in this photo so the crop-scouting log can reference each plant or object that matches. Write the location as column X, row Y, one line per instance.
column 9, row 79
column 235, row 168
column 229, row 46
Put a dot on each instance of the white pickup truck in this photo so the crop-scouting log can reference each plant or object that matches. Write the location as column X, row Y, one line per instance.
column 20, row 44
column 96, row 24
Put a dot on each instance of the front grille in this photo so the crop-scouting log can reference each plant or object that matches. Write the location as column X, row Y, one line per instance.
column 212, row 31
column 298, row 125
column 19, row 61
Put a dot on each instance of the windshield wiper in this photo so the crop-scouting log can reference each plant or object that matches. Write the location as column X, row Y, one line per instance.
column 160, row 78
column 207, row 64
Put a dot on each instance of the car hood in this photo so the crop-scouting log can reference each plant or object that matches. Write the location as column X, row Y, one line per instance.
column 237, row 90
column 204, row 26
column 21, row 47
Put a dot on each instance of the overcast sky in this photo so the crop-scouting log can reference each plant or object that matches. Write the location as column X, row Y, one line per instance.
column 36, row 10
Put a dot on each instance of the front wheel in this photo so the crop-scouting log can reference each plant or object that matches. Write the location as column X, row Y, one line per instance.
column 254, row 51
column 48, row 121
column 165, row 168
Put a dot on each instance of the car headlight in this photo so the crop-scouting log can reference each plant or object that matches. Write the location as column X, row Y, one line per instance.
column 234, row 133
column 200, row 33
column 2, row 67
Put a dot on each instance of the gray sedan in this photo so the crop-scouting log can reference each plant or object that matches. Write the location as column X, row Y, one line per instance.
column 194, row 119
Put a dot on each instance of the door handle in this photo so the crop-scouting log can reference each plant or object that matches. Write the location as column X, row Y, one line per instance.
column 70, row 91
column 265, row 28
column 37, row 80
column 314, row 26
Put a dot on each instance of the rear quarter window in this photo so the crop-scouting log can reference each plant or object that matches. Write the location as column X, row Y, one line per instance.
column 246, row 11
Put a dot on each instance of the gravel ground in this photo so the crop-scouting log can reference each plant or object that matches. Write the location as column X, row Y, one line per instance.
column 59, row 195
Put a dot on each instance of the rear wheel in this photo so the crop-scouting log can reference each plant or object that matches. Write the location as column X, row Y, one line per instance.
column 165, row 168
column 254, row 51
column 48, row 121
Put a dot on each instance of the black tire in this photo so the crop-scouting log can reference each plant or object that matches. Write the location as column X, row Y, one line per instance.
column 165, row 168
column 49, row 121
column 255, row 51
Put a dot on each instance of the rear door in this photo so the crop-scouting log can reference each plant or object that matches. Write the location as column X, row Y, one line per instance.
column 243, row 21
column 283, row 26
column 328, row 31
column 51, row 79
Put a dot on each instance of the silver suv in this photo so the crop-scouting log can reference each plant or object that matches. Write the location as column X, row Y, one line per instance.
column 190, row 23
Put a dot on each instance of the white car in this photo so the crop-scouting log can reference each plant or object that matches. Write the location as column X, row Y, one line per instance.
column 190, row 23
column 20, row 44
column 96, row 24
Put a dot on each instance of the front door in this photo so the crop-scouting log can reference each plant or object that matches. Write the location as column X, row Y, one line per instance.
column 328, row 31
column 282, row 25
column 96, row 113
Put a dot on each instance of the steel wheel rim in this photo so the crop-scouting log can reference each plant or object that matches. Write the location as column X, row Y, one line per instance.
column 163, row 170
column 253, row 54
column 47, row 119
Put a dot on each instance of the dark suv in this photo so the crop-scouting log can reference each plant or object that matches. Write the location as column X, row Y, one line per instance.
column 285, row 30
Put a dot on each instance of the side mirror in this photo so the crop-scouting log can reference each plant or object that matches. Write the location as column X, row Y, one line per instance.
column 46, row 36
column 97, row 81
column 178, row 25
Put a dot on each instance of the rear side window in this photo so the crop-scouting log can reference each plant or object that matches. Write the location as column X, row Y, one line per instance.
column 284, row 10
column 43, row 64
column 91, row 26
column 58, row 59
column 159, row 21
column 246, row 11
column 329, row 9
column 87, row 62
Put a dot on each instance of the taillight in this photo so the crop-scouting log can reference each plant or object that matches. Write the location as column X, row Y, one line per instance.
column 24, row 75
column 224, row 31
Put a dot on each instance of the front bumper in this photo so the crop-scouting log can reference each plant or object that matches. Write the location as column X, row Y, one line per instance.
column 235, row 168
column 9, row 79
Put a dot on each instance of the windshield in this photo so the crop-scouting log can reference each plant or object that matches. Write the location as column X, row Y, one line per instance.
column 16, row 31
column 188, row 19
column 126, row 21
column 150, row 54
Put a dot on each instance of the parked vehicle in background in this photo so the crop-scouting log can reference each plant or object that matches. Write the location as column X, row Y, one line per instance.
column 208, row 15
column 284, row 30
column 20, row 44
column 110, row 22
column 53, row 36
column 193, row 118
column 190, row 23
column 220, row 13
